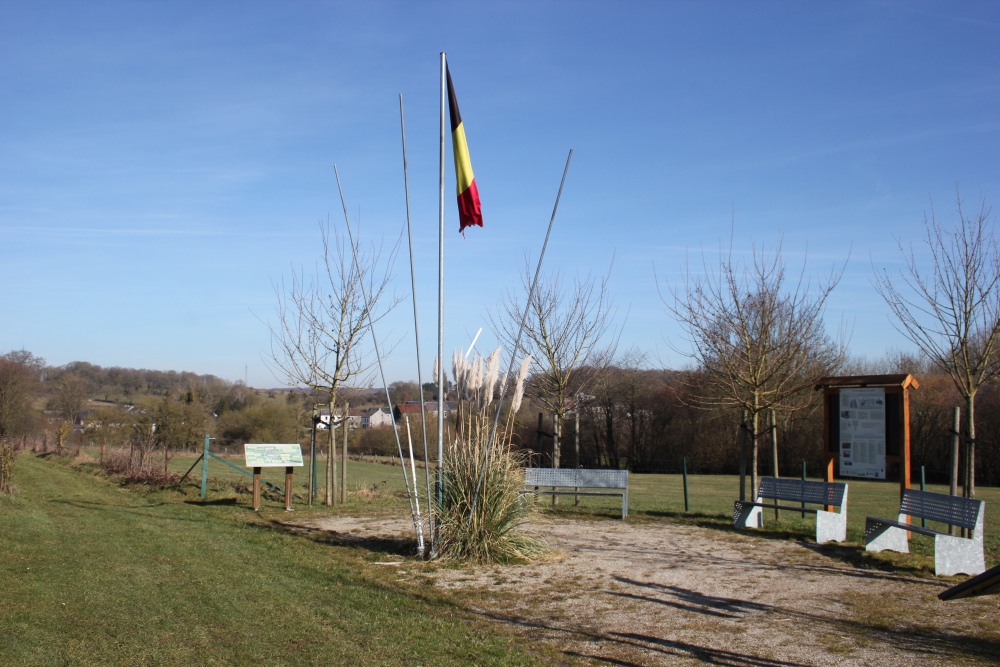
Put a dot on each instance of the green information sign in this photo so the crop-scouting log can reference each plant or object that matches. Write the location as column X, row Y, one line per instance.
column 273, row 456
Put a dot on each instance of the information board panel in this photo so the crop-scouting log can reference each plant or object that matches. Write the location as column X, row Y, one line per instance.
column 862, row 432
column 273, row 456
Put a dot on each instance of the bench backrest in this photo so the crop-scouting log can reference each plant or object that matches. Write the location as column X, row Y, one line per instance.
column 820, row 493
column 576, row 477
column 953, row 510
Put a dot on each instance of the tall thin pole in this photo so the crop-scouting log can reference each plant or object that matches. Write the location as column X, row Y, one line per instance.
column 517, row 341
column 440, row 354
column 413, row 472
column 416, row 332
column 312, row 458
column 955, row 448
column 419, row 529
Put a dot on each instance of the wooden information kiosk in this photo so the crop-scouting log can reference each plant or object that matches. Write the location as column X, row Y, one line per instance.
column 866, row 426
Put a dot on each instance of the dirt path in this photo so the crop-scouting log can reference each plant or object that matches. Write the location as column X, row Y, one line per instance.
column 661, row 593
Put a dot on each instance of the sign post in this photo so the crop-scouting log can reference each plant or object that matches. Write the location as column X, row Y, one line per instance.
column 285, row 456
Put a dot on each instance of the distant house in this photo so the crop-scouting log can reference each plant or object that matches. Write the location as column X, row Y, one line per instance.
column 412, row 408
column 406, row 410
column 353, row 417
column 376, row 417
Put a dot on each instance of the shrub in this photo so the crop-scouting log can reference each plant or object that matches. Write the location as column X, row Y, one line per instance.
column 7, row 457
column 481, row 511
column 133, row 466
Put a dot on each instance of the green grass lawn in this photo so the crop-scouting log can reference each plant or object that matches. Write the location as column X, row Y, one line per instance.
column 710, row 501
column 93, row 574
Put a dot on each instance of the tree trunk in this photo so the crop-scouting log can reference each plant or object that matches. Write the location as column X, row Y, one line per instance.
column 742, row 437
column 970, row 450
column 556, row 425
column 576, row 441
column 343, row 459
column 755, row 422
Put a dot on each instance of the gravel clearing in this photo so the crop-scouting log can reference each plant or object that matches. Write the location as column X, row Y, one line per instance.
column 665, row 593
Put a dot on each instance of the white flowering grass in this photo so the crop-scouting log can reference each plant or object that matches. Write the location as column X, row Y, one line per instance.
column 493, row 533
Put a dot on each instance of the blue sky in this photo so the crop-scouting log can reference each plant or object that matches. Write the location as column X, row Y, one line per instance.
column 164, row 164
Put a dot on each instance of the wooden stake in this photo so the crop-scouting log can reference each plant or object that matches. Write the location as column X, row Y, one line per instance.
column 256, row 489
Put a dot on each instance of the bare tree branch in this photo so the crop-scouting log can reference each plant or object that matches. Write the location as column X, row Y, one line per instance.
column 318, row 339
column 759, row 336
column 568, row 327
column 952, row 311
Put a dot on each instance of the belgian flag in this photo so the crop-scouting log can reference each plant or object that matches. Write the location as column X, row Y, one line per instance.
column 470, row 210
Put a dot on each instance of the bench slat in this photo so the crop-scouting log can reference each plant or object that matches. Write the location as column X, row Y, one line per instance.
column 747, row 503
column 576, row 477
column 803, row 491
column 872, row 521
column 953, row 510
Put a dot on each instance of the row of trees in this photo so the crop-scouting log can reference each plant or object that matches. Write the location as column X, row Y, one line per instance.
column 759, row 343
column 650, row 420
column 755, row 333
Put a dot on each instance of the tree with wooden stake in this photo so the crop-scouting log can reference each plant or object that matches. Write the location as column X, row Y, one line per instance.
column 951, row 310
column 566, row 329
column 317, row 340
column 759, row 337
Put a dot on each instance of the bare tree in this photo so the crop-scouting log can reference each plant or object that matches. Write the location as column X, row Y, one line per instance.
column 758, row 336
column 72, row 392
column 952, row 311
column 318, row 339
column 19, row 383
column 567, row 328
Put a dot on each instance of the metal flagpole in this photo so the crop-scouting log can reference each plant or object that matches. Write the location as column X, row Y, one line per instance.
column 418, row 528
column 517, row 341
column 416, row 333
column 440, row 355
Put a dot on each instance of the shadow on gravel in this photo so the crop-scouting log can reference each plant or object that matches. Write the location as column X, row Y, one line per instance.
column 852, row 554
column 633, row 649
column 911, row 637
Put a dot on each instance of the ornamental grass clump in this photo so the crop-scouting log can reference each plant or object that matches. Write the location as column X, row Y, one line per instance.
column 493, row 532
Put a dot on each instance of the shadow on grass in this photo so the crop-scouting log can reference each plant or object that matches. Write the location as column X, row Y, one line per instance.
column 376, row 545
column 227, row 502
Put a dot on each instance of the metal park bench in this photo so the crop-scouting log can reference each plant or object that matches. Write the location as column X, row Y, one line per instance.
column 570, row 481
column 830, row 526
column 952, row 554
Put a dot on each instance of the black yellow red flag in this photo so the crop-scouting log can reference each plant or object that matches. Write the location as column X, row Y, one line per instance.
column 470, row 210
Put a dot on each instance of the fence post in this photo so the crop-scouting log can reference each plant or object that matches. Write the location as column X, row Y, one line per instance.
column 774, row 454
column 803, row 479
column 343, row 458
column 684, row 464
column 923, row 487
column 955, row 435
column 204, row 469
column 743, row 457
